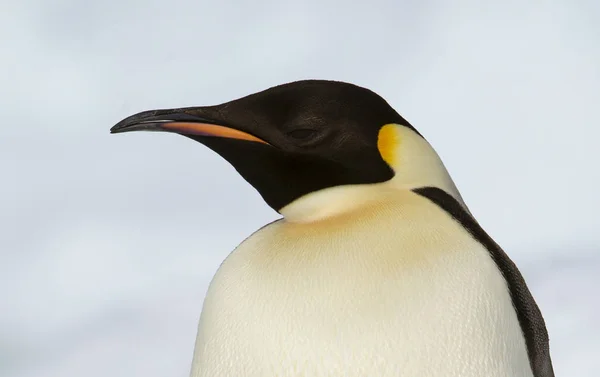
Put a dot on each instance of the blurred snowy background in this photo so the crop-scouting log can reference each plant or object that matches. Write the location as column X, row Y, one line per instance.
column 107, row 243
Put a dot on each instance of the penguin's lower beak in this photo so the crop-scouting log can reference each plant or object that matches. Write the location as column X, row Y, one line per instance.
column 181, row 122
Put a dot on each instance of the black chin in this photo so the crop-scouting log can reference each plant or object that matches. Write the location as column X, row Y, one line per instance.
column 281, row 177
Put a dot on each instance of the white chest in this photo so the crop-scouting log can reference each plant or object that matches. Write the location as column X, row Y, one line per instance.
column 396, row 291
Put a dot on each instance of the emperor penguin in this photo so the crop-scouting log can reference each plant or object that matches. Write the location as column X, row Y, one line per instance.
column 376, row 266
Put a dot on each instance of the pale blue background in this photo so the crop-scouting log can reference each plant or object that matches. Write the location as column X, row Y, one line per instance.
column 107, row 243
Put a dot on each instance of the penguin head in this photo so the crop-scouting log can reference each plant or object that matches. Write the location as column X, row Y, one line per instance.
column 311, row 138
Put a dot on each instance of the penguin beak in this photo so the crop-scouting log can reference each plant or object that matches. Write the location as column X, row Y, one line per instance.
column 188, row 122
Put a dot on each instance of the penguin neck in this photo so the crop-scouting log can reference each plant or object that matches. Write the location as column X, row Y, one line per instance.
column 415, row 164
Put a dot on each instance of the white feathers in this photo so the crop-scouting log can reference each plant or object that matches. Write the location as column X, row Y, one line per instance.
column 393, row 288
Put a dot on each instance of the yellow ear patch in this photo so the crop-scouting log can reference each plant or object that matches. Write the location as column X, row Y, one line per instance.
column 388, row 142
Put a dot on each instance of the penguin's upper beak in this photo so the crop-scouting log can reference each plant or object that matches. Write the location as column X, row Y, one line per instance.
column 189, row 121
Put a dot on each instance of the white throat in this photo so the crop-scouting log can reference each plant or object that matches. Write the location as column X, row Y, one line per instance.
column 415, row 164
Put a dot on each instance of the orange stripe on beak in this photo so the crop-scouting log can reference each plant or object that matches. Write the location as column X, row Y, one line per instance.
column 205, row 129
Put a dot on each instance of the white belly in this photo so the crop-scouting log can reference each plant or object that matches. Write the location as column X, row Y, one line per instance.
column 395, row 291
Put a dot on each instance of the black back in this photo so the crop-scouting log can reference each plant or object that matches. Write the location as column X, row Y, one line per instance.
column 529, row 315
